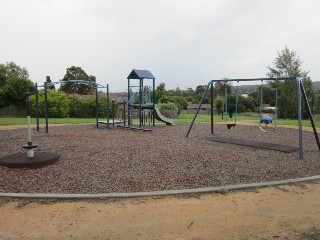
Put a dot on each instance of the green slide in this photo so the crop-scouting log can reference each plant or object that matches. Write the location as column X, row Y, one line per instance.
column 162, row 118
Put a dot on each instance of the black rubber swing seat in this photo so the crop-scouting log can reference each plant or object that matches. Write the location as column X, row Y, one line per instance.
column 230, row 125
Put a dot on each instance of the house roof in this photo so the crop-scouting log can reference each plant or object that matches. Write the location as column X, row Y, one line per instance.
column 139, row 74
column 195, row 106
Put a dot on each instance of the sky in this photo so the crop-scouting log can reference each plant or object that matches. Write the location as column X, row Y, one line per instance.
column 184, row 43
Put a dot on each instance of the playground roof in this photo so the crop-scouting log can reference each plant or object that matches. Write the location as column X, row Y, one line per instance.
column 140, row 74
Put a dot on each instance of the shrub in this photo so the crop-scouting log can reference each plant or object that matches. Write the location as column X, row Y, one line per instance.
column 168, row 106
column 58, row 104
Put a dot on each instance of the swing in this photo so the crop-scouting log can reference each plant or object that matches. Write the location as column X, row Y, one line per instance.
column 231, row 125
column 266, row 118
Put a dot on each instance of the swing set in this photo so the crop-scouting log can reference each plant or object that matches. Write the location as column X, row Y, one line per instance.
column 263, row 119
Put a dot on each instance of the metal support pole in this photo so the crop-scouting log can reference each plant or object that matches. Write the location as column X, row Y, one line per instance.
column 198, row 109
column 260, row 108
column 276, row 112
column 140, row 101
column 300, row 119
column 237, row 101
column 112, row 109
column 37, row 107
column 310, row 114
column 46, row 106
column 108, row 106
column 97, row 108
column 30, row 152
column 129, row 104
column 153, row 101
column 29, row 146
column 212, row 102
column 226, row 102
column 124, row 112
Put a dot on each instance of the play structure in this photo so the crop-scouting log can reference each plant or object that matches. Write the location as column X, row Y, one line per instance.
column 263, row 119
column 94, row 85
column 145, row 108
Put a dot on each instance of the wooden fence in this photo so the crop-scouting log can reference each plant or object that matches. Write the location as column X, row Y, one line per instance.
column 12, row 111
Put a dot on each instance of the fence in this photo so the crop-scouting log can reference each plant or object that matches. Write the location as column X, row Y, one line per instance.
column 12, row 111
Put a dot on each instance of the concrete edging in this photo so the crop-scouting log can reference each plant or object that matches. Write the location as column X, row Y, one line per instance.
column 157, row 193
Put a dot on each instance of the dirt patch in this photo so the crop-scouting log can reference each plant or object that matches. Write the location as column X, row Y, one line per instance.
column 285, row 212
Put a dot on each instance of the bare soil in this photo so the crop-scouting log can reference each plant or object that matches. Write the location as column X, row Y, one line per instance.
column 284, row 212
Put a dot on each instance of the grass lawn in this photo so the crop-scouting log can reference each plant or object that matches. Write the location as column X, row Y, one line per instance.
column 183, row 118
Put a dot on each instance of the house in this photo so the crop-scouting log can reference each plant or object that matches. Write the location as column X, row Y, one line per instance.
column 205, row 108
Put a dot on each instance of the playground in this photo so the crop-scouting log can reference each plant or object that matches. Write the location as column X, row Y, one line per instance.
column 115, row 160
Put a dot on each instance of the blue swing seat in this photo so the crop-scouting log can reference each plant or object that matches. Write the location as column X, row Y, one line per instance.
column 266, row 119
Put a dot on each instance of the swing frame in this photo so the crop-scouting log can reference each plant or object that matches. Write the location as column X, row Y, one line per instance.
column 301, row 94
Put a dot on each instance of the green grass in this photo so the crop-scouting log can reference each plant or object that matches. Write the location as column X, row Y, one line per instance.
column 183, row 118
column 22, row 121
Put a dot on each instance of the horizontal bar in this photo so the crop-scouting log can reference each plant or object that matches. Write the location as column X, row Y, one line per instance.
column 252, row 79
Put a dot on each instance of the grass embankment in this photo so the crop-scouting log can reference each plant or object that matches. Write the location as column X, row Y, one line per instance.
column 183, row 118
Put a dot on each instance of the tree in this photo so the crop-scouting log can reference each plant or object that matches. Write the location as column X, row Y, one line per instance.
column 15, row 91
column 197, row 95
column 11, row 70
column 288, row 64
column 218, row 102
column 77, row 73
column 219, row 88
column 160, row 91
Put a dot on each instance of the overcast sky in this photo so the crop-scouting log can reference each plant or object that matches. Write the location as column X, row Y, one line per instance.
column 184, row 43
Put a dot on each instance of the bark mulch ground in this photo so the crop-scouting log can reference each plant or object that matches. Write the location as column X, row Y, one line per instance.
column 119, row 160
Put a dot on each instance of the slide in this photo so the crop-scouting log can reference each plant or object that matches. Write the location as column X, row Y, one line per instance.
column 162, row 118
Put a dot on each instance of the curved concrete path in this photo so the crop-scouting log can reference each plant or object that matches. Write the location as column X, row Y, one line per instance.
column 157, row 193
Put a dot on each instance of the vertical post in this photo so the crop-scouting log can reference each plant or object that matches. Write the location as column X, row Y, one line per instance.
column 97, row 107
column 212, row 101
column 226, row 101
column 299, row 119
column 237, row 101
column 129, row 107
column 112, row 109
column 37, row 107
column 140, row 101
column 46, row 106
column 260, row 109
column 276, row 112
column 153, row 102
column 30, row 152
column 124, row 112
column 108, row 106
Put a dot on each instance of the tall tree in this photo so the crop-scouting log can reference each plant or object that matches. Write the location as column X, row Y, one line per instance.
column 15, row 91
column 77, row 73
column 12, row 70
column 288, row 64
column 160, row 91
